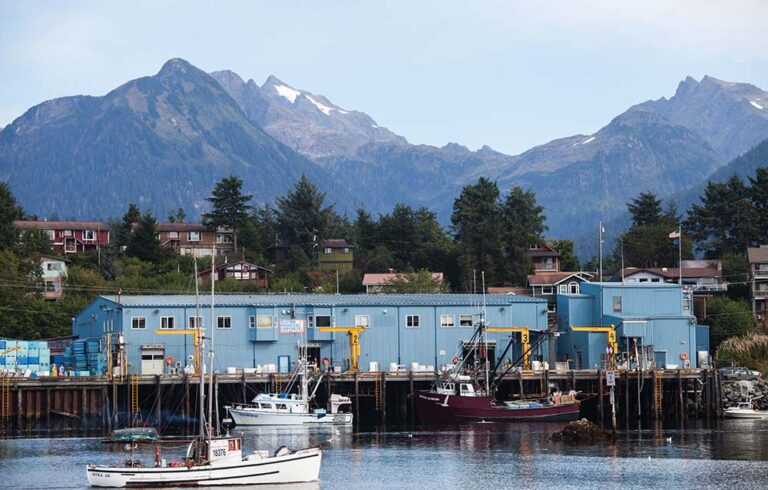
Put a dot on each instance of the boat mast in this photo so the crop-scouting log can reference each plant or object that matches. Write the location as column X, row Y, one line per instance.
column 485, row 334
column 200, row 362
column 211, row 428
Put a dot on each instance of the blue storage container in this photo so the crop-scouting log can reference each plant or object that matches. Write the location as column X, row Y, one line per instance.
column 21, row 359
column 2, row 344
column 33, row 360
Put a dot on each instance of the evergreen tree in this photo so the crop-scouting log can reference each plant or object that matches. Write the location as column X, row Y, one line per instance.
column 380, row 260
column 758, row 192
column 124, row 229
column 523, row 223
column 302, row 220
column 34, row 243
column 398, row 233
column 415, row 282
column 476, row 227
column 259, row 232
column 229, row 206
column 645, row 209
column 177, row 216
column 568, row 259
column 143, row 243
column 10, row 211
column 364, row 232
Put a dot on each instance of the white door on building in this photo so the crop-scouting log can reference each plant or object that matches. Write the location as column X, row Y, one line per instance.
column 152, row 361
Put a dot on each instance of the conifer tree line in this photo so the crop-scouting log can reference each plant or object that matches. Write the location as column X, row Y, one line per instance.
column 490, row 230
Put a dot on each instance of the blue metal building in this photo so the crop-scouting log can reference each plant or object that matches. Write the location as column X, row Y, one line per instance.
column 656, row 317
column 256, row 330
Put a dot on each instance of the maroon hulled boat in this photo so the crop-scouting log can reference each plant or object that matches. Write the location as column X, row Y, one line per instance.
column 456, row 400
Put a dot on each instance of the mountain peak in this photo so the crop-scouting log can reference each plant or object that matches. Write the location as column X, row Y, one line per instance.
column 229, row 77
column 176, row 65
column 455, row 147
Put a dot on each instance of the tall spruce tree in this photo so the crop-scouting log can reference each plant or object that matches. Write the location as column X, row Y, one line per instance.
column 301, row 218
column 523, row 224
column 10, row 211
column 229, row 206
column 143, row 243
column 124, row 228
column 645, row 209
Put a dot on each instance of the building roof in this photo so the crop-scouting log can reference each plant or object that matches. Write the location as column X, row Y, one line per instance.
column 508, row 290
column 337, row 243
column 543, row 251
column 376, row 279
column 554, row 278
column 181, row 227
column 61, row 225
column 757, row 254
column 672, row 272
column 323, row 300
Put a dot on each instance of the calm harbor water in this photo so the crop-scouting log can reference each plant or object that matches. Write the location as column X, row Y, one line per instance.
column 731, row 454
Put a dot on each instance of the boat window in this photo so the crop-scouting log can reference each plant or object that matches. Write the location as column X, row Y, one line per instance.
column 281, row 406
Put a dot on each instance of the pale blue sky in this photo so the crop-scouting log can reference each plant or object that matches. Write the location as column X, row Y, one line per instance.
column 508, row 74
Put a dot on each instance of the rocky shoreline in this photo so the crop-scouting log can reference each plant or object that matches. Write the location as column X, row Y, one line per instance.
column 737, row 391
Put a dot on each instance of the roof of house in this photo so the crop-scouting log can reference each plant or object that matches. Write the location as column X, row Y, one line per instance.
column 757, row 254
column 672, row 272
column 375, row 279
column 61, row 225
column 553, row 278
column 322, row 300
column 543, row 251
column 337, row 243
column 231, row 264
column 508, row 290
column 181, row 227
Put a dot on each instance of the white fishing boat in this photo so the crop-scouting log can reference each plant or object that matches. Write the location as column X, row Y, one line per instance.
column 745, row 410
column 292, row 409
column 209, row 460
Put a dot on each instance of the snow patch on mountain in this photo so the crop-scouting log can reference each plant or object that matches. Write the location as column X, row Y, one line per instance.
column 287, row 92
column 324, row 108
column 755, row 104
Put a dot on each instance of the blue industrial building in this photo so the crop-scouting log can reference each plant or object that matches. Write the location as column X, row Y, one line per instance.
column 259, row 330
column 655, row 317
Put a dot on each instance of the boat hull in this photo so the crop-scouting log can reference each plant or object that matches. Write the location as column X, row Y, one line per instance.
column 246, row 417
column 746, row 414
column 433, row 407
column 299, row 467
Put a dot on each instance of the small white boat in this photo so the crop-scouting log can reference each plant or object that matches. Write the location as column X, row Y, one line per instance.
column 223, row 464
column 290, row 409
column 745, row 410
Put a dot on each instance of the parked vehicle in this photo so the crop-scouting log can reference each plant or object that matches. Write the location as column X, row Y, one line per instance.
column 737, row 373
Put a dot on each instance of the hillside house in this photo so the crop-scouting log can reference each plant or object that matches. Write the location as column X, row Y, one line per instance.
column 758, row 276
column 54, row 272
column 240, row 271
column 699, row 276
column 195, row 239
column 336, row 254
column 71, row 236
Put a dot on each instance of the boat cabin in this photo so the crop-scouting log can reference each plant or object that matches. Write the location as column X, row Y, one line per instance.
column 456, row 387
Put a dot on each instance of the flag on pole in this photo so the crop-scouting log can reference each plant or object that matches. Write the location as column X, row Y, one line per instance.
column 674, row 234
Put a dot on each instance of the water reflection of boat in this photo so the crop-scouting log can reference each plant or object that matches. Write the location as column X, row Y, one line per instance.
column 209, row 460
column 745, row 410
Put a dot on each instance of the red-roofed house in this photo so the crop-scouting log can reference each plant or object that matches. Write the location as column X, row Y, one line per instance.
column 240, row 271
column 377, row 283
column 71, row 236
column 195, row 239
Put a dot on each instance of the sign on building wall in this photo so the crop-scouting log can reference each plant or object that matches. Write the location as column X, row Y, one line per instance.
column 291, row 326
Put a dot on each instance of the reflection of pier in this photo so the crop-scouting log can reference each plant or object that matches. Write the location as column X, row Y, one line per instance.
column 99, row 404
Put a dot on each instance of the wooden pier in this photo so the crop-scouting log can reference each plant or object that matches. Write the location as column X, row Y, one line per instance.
column 168, row 402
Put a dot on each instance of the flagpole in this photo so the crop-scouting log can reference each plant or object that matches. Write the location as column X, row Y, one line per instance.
column 600, row 251
column 680, row 255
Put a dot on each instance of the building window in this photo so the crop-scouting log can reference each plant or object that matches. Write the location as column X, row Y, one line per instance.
column 465, row 321
column 194, row 236
column 327, row 250
column 362, row 321
column 173, row 235
column 562, row 289
column 547, row 290
column 412, row 321
column 224, row 238
column 617, row 304
column 167, row 322
column 447, row 321
column 89, row 235
column 549, row 263
column 54, row 266
column 346, row 250
column 138, row 322
column 51, row 234
column 191, row 323
column 655, row 280
column 252, row 321
column 574, row 288
column 224, row 322
column 323, row 321
column 264, row 321
column 643, row 279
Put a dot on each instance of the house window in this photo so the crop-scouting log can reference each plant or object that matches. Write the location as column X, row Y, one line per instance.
column 573, row 287
column 327, row 250
column 447, row 321
column 223, row 238
column 643, row 279
column 412, row 321
column 549, row 263
column 51, row 234
column 191, row 323
column 194, row 236
column 465, row 321
column 617, row 304
column 167, row 322
column 362, row 321
column 67, row 232
column 547, row 290
column 323, row 321
column 89, row 235
column 264, row 321
column 54, row 266
column 173, row 235
column 655, row 280
column 346, row 250
column 50, row 286
column 252, row 321
column 562, row 289
column 224, row 322
column 138, row 322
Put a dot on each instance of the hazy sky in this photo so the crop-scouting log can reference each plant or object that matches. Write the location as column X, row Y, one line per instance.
column 504, row 73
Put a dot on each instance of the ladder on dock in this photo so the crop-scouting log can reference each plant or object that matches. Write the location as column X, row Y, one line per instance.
column 378, row 393
column 658, row 394
column 278, row 383
column 135, row 412
column 5, row 398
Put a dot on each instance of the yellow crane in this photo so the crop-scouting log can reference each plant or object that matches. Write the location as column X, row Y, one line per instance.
column 525, row 341
column 610, row 330
column 354, row 342
column 197, row 332
column 12, row 349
